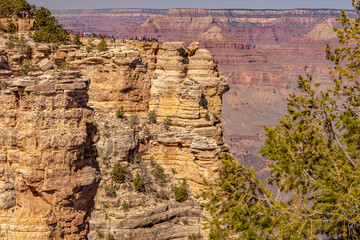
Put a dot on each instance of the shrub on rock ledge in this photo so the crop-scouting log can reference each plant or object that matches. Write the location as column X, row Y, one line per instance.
column 120, row 112
column 118, row 173
column 180, row 192
column 102, row 47
column 138, row 184
column 152, row 116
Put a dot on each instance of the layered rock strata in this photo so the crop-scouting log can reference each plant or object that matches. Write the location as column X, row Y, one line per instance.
column 262, row 52
column 70, row 137
column 48, row 172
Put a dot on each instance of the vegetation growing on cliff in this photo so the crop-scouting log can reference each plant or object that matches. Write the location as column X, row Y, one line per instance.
column 8, row 7
column 315, row 152
column 180, row 193
column 102, row 46
column 152, row 116
column 138, row 183
column 120, row 112
column 48, row 29
column 118, row 173
column 26, row 66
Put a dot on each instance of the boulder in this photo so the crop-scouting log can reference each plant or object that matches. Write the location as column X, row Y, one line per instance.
column 192, row 48
column 45, row 64
column 173, row 45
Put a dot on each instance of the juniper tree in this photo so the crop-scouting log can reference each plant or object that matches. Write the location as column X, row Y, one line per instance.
column 315, row 152
column 48, row 29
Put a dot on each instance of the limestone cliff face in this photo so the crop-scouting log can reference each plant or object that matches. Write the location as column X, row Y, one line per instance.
column 188, row 89
column 48, row 172
column 65, row 141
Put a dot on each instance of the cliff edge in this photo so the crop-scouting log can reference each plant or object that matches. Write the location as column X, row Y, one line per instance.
column 72, row 169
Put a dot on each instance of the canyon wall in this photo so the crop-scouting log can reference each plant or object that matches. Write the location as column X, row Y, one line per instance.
column 49, row 173
column 62, row 140
column 262, row 52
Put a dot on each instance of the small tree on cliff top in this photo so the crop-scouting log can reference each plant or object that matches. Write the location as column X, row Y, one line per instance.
column 8, row 7
column 316, row 154
column 48, row 29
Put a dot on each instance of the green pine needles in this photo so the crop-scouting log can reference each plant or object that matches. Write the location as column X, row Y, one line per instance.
column 316, row 158
column 118, row 173
column 180, row 192
column 138, row 183
column 102, row 46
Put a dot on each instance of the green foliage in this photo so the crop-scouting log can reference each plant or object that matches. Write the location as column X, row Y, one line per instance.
column 132, row 236
column 11, row 41
column 26, row 66
column 102, row 46
column 207, row 117
column 64, row 66
column 159, row 173
column 20, row 43
column 315, row 152
column 180, row 192
column 120, row 112
column 138, row 184
column 48, row 29
column 152, row 116
column 118, row 173
column 77, row 41
column 100, row 234
column 110, row 190
column 167, row 123
column 239, row 202
column 8, row 7
column 110, row 237
column 126, row 207
column 90, row 45
column 195, row 236
column 11, row 27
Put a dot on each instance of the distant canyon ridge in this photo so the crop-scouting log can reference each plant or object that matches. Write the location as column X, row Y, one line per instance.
column 262, row 52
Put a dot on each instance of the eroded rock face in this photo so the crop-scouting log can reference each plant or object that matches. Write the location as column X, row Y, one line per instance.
column 262, row 52
column 179, row 89
column 61, row 140
column 48, row 172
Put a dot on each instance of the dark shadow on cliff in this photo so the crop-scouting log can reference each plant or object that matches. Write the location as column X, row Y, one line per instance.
column 85, row 200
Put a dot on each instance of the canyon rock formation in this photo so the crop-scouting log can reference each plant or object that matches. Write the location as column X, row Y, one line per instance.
column 61, row 140
column 262, row 52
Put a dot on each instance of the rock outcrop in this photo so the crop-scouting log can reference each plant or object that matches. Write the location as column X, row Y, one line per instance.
column 48, row 170
column 21, row 24
column 61, row 140
column 262, row 52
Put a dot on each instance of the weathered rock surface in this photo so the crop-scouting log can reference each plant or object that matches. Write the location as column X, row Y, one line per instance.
column 48, row 172
column 262, row 52
column 45, row 64
column 61, row 140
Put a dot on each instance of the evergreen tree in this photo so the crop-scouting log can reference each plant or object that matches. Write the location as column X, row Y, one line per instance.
column 316, row 154
column 48, row 29
column 8, row 7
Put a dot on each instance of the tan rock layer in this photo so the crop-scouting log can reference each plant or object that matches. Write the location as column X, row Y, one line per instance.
column 48, row 171
column 50, row 160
